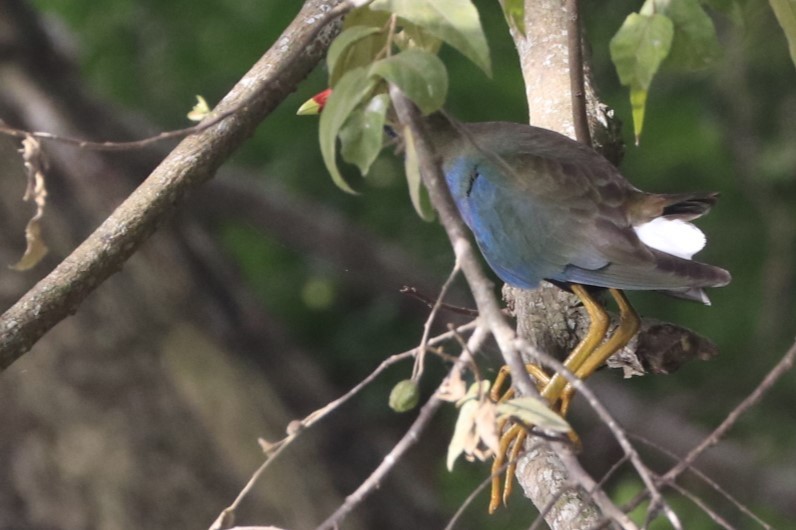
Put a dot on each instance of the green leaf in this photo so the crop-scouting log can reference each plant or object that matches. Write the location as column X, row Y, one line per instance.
column 695, row 44
column 420, row 75
column 514, row 11
column 785, row 11
column 730, row 8
column 362, row 135
column 637, row 50
column 638, row 102
column 351, row 89
column 352, row 49
column 413, row 36
column 639, row 47
column 364, row 16
column 454, row 21
column 533, row 411
column 417, row 190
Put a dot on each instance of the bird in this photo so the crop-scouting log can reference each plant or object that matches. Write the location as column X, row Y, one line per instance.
column 542, row 206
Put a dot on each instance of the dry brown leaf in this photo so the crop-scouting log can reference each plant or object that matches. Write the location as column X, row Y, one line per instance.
column 475, row 434
column 36, row 191
column 453, row 388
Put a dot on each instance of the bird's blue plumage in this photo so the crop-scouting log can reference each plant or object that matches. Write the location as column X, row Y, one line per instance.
column 542, row 206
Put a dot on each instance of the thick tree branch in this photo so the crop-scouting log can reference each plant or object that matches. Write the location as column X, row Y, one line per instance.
column 191, row 163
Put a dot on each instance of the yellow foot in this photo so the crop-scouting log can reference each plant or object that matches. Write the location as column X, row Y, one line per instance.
column 587, row 356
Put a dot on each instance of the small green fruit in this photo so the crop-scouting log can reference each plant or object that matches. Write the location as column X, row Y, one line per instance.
column 404, row 396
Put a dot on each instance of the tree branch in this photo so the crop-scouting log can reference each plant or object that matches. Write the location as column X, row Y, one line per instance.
column 481, row 287
column 191, row 163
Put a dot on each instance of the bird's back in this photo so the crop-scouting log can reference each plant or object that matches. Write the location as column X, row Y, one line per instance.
column 543, row 206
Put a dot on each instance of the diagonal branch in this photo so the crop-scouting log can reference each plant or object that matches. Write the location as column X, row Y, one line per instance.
column 191, row 163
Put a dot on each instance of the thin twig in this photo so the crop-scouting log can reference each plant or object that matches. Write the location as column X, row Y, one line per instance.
column 702, row 505
column 784, row 364
column 393, row 457
column 80, row 143
column 707, row 480
column 478, row 489
column 782, row 367
column 576, row 76
column 417, row 370
column 414, row 293
column 410, row 438
column 314, row 417
column 190, row 164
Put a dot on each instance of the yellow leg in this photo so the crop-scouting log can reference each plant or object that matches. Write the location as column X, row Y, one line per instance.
column 508, row 484
column 598, row 327
column 536, row 372
column 584, row 360
column 629, row 323
column 500, row 458
column 512, row 439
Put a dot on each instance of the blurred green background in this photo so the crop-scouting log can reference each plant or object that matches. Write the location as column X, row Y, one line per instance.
column 730, row 128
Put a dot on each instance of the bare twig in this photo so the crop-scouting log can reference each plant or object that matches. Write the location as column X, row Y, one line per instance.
column 410, row 438
column 473, row 494
column 126, row 145
column 782, row 367
column 707, row 480
column 718, row 519
column 417, row 370
column 577, row 85
column 371, row 483
column 784, row 364
column 191, row 163
column 225, row 519
column 414, row 293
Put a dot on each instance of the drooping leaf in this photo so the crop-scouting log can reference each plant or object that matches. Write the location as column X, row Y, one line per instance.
column 637, row 50
column 453, row 21
column 694, row 45
column 419, row 74
column 462, row 432
column 465, row 435
column 514, row 11
column 533, row 411
column 354, row 47
column 36, row 191
column 417, row 190
column 362, row 134
column 785, row 11
column 351, row 90
column 638, row 104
